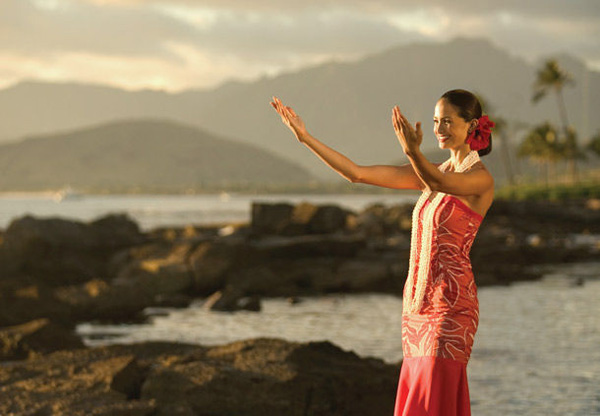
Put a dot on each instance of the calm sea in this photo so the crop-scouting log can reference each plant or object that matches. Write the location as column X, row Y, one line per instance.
column 151, row 211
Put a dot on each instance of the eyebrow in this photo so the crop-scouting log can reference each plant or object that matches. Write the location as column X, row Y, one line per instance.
column 434, row 117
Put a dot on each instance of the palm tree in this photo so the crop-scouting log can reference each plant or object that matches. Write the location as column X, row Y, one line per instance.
column 553, row 78
column 594, row 144
column 542, row 146
column 499, row 133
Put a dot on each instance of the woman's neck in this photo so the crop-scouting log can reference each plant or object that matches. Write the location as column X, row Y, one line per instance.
column 457, row 155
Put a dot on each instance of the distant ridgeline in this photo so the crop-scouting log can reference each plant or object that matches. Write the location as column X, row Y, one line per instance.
column 345, row 104
column 143, row 156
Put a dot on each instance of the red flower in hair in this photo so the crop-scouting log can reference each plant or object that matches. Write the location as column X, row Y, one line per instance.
column 480, row 137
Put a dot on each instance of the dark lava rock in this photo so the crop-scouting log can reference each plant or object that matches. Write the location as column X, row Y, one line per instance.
column 59, row 251
column 35, row 338
column 247, row 378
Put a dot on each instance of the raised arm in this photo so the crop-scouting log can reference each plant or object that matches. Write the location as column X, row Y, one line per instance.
column 397, row 177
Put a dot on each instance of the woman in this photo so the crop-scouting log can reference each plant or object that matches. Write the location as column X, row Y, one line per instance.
column 440, row 307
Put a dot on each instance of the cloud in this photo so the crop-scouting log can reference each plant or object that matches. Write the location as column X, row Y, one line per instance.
column 29, row 28
column 532, row 8
column 185, row 43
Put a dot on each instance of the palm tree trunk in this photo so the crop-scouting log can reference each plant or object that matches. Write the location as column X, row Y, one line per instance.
column 506, row 160
column 571, row 147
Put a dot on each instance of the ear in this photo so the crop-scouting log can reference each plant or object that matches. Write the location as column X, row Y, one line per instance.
column 474, row 124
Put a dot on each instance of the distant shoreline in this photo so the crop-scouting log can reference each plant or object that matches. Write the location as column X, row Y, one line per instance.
column 307, row 189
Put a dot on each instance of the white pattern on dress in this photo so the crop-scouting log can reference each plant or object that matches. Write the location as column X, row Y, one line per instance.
column 421, row 250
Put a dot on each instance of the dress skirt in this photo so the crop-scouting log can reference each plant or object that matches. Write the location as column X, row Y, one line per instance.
column 432, row 386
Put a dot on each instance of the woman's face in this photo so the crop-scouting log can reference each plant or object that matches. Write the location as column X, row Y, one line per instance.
column 450, row 129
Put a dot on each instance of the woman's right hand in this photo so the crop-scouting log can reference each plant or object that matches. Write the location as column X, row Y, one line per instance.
column 290, row 119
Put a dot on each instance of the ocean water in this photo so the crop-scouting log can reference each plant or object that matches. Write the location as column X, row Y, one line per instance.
column 151, row 211
column 536, row 352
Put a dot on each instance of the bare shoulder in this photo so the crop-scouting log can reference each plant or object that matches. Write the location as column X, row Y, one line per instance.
column 481, row 169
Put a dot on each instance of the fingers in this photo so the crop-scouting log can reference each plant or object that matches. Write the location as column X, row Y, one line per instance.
column 398, row 119
column 278, row 106
column 418, row 129
column 283, row 110
column 292, row 112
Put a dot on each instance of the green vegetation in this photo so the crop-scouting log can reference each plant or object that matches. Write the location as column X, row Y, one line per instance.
column 552, row 78
column 556, row 192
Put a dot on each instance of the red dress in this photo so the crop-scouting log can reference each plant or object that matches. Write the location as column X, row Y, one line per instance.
column 440, row 312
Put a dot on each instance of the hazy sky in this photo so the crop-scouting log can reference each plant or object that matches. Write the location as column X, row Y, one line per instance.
column 176, row 44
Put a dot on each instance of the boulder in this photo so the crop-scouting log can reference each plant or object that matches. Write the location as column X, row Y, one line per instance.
column 320, row 219
column 232, row 299
column 359, row 275
column 23, row 301
column 97, row 299
column 35, row 338
column 161, row 273
column 273, row 377
column 88, row 382
column 269, row 218
column 381, row 220
column 304, row 218
column 60, row 251
column 251, row 378
column 326, row 245
column 210, row 262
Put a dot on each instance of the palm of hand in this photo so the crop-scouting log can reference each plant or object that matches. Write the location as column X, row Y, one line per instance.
column 409, row 137
column 289, row 117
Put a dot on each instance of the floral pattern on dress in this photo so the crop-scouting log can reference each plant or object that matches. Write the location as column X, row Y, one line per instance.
column 446, row 323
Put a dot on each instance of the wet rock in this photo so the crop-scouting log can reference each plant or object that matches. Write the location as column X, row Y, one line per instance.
column 304, row 218
column 272, row 377
column 250, row 303
column 35, row 338
column 62, row 251
column 126, row 376
column 270, row 218
column 172, row 300
column 85, row 382
column 320, row 219
column 253, row 377
column 22, row 302
column 211, row 261
column 330, row 245
column 364, row 275
column 294, row 300
column 98, row 299
column 160, row 274
column 382, row 220
column 232, row 299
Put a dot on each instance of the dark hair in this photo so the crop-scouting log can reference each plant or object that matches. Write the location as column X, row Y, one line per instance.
column 468, row 107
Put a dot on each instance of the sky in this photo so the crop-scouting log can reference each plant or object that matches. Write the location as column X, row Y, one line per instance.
column 174, row 45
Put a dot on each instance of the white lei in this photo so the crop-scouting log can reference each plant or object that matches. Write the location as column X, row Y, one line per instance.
column 414, row 298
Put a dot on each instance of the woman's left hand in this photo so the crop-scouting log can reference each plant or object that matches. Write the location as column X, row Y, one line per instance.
column 410, row 138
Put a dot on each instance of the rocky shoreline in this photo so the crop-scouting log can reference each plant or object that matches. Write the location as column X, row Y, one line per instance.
column 247, row 378
column 55, row 273
column 69, row 271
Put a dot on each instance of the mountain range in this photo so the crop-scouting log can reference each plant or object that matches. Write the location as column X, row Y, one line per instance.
column 140, row 155
column 345, row 104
